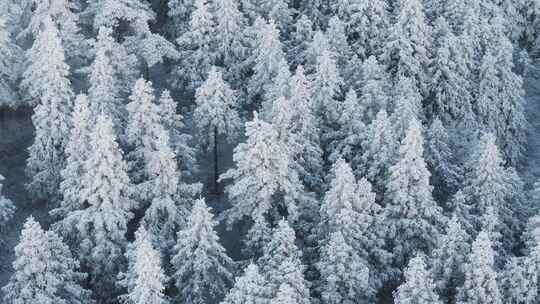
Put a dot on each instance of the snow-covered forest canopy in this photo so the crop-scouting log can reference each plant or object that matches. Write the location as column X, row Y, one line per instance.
column 269, row 151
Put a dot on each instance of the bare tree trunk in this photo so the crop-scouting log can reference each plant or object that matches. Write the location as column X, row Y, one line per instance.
column 216, row 169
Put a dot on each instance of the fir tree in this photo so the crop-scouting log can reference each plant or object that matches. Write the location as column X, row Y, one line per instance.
column 267, row 58
column 379, row 151
column 344, row 274
column 408, row 105
column 418, row 287
column 414, row 218
column 375, row 85
column 179, row 14
column 300, row 40
column 145, row 279
column 203, row 271
column 76, row 151
column 263, row 170
column 441, row 160
column 408, row 44
column 112, row 13
column 47, row 82
column 143, row 126
column 281, row 263
column 250, row 288
column 180, row 141
column 216, row 116
column 45, row 271
column 490, row 185
column 197, row 47
column 480, row 277
column 102, row 224
column 449, row 258
column 9, row 60
column 104, row 90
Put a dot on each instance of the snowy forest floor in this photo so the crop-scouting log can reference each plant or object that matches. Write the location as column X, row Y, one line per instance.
column 16, row 133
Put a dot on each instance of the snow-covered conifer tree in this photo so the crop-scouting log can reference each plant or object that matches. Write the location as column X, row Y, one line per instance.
column 418, row 287
column 281, row 263
column 300, row 40
column 216, row 115
column 448, row 259
column 203, row 271
column 408, row 45
column 250, row 288
column 140, row 133
column 47, row 82
column 104, row 90
column 268, row 57
column 489, row 184
column 480, row 277
column 408, row 105
column 346, row 141
column 77, row 149
column 344, row 274
column 66, row 20
column 337, row 41
column 145, row 279
column 102, row 224
column 374, row 89
column 314, row 50
column 44, row 270
column 264, row 181
column 231, row 41
column 413, row 217
column 451, row 84
column 113, row 13
column 306, row 128
column 9, row 74
column 179, row 13
column 367, row 25
column 441, row 160
column 380, row 151
column 197, row 47
column 180, row 141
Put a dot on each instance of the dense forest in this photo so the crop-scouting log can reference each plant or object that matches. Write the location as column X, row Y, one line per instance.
column 270, row 151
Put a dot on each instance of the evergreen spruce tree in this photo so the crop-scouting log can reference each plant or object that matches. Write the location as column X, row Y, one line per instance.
column 142, row 128
column 44, row 270
column 379, row 151
column 448, row 259
column 113, row 13
column 47, row 82
column 180, row 141
column 480, row 277
column 375, row 86
column 76, row 151
column 441, row 160
column 367, row 26
column 178, row 16
column 407, row 51
column 203, row 271
column 145, row 279
column 490, row 185
column 299, row 41
column 9, row 60
column 408, row 105
column 281, row 263
column 104, row 91
column 264, row 182
column 414, row 218
column 418, row 287
column 451, row 86
column 108, row 208
column 267, row 59
column 344, row 274
column 216, row 116
column 305, row 130
column 197, row 47
column 250, row 288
